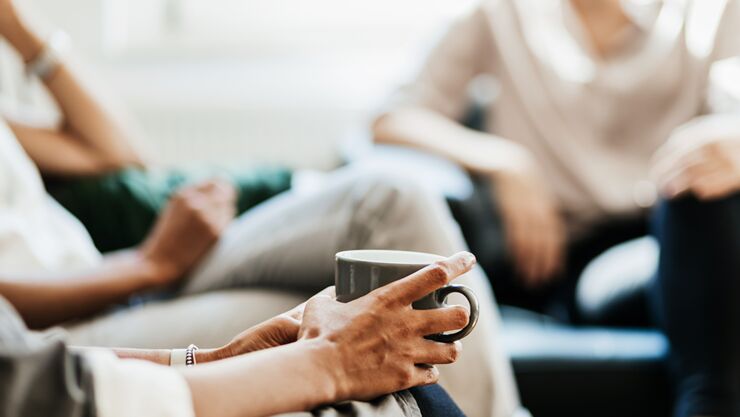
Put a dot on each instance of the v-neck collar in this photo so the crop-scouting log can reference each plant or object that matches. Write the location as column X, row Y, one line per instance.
column 561, row 42
column 620, row 42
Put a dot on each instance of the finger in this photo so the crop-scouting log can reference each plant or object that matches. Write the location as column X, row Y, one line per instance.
column 527, row 255
column 436, row 353
column 516, row 237
column 684, row 181
column 542, row 232
column 676, row 186
column 440, row 320
column 219, row 189
column 331, row 291
column 712, row 187
column 674, row 166
column 430, row 278
column 423, row 375
column 553, row 248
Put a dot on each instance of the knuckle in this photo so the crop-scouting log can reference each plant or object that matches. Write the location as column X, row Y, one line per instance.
column 454, row 352
column 438, row 273
column 459, row 316
column 405, row 377
column 384, row 298
column 450, row 356
column 431, row 375
column 312, row 332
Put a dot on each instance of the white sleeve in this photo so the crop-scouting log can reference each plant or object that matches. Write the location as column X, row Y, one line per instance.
column 728, row 37
column 134, row 388
column 461, row 54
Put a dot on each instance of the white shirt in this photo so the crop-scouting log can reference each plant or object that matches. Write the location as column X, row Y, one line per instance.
column 36, row 233
column 591, row 123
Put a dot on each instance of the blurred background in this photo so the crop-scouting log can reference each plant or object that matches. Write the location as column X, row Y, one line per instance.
column 238, row 81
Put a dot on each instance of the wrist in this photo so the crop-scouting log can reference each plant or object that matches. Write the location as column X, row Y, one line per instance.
column 328, row 375
column 207, row 355
column 154, row 270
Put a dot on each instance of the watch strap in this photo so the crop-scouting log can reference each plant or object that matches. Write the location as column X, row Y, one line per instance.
column 177, row 357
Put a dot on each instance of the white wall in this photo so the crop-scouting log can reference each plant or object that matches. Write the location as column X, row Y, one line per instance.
column 268, row 80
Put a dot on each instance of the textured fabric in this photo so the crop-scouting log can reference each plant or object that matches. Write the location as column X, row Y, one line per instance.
column 35, row 232
column 400, row 404
column 214, row 319
column 288, row 244
column 38, row 375
column 119, row 209
column 592, row 123
column 135, row 388
column 433, row 401
column 695, row 299
column 485, row 233
column 290, row 241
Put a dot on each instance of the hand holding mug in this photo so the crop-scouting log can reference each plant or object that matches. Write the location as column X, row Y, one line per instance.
column 378, row 343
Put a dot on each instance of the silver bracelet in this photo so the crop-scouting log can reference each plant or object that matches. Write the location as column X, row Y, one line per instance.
column 45, row 64
column 190, row 355
column 183, row 357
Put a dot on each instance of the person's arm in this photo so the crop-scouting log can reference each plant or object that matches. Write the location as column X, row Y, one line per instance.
column 277, row 331
column 423, row 128
column 359, row 350
column 92, row 138
column 426, row 113
column 535, row 230
column 54, row 298
column 158, row 356
column 189, row 226
column 427, row 118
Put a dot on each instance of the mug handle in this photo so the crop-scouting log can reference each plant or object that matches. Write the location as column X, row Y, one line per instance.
column 441, row 295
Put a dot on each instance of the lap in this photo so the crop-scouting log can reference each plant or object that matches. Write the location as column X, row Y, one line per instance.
column 207, row 320
column 401, row 404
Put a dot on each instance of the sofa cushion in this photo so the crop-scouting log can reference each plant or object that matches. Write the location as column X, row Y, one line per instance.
column 586, row 371
column 613, row 289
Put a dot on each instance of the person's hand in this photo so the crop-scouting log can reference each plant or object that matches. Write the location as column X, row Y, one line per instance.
column 706, row 166
column 277, row 331
column 535, row 233
column 376, row 343
column 188, row 227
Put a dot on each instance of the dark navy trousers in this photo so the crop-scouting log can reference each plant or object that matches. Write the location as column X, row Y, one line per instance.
column 696, row 300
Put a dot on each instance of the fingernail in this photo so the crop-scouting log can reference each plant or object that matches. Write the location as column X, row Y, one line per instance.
column 469, row 259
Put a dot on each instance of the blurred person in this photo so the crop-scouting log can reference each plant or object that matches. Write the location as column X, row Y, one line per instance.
column 602, row 108
column 320, row 353
column 52, row 273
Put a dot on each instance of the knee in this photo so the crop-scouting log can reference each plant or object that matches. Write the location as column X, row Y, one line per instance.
column 393, row 193
column 688, row 226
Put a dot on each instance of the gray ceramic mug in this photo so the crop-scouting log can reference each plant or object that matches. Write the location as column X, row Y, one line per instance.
column 359, row 272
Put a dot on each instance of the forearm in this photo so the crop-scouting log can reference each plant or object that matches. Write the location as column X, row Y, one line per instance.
column 478, row 152
column 158, row 356
column 295, row 377
column 47, row 300
column 87, row 118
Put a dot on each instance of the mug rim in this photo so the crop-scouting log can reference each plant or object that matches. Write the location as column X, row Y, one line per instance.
column 351, row 256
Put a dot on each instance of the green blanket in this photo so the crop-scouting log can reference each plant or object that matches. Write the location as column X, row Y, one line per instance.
column 119, row 209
